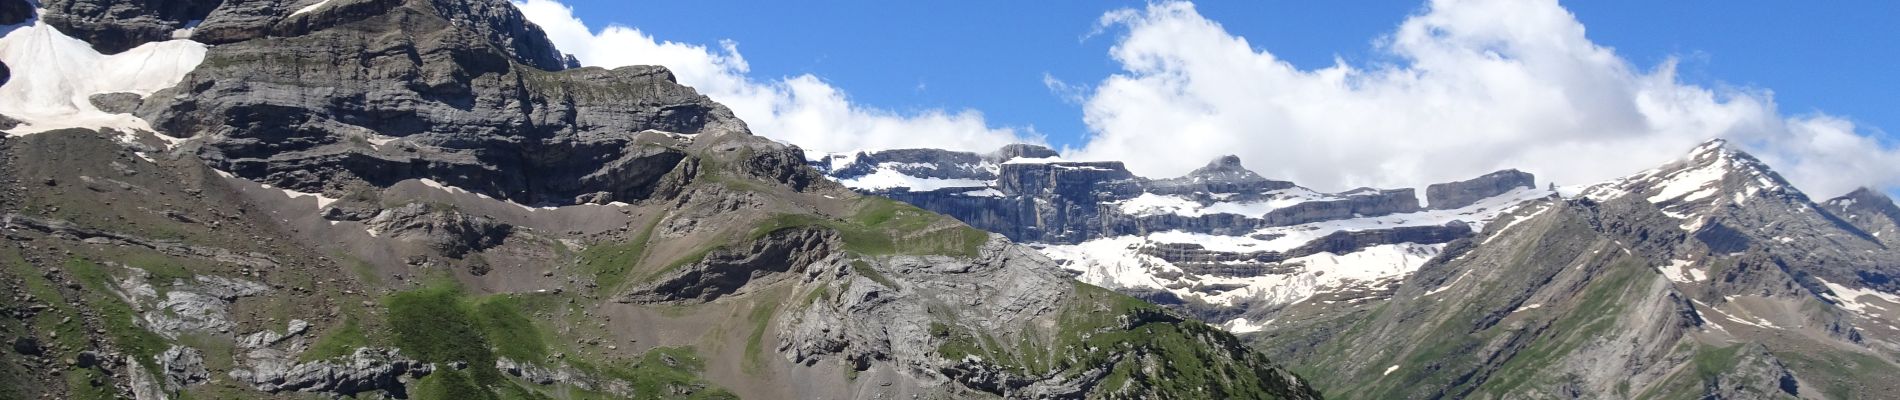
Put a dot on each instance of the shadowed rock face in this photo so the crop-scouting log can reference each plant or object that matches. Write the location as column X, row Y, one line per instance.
column 1454, row 195
column 113, row 26
column 13, row 12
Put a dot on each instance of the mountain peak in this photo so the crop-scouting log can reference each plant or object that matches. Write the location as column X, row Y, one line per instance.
column 1225, row 167
column 1713, row 171
column 1711, row 146
column 1866, row 199
column 1226, row 161
column 1862, row 195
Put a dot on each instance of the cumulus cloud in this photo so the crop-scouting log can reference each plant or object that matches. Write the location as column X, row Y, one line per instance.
column 1473, row 86
column 802, row 110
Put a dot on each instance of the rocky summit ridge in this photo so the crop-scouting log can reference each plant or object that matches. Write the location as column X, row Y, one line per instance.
column 425, row 199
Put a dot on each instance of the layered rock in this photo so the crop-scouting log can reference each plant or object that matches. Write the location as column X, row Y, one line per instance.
column 775, row 255
column 1454, row 195
column 1028, row 193
column 1281, row 242
column 365, row 370
column 115, row 26
column 344, row 98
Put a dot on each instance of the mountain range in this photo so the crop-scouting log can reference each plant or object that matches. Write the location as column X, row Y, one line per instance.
column 1709, row 277
column 428, row 199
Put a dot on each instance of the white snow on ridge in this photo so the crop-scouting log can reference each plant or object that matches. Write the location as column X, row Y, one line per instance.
column 1114, row 262
column 1683, row 271
column 1691, row 185
column 1851, row 299
column 1477, row 215
column 886, row 178
column 1154, row 204
column 1149, row 204
column 457, row 190
column 986, row 192
column 312, row 7
column 1242, row 325
column 54, row 77
column 1034, row 160
column 1117, row 263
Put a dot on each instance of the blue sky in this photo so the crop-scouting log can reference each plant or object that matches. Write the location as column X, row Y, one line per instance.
column 1839, row 56
column 1330, row 94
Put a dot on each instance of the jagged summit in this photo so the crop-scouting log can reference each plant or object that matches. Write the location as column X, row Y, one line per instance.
column 1864, row 196
column 1711, row 173
column 1225, row 168
column 1871, row 211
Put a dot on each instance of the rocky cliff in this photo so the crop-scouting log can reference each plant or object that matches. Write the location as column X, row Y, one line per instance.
column 1222, row 242
column 421, row 198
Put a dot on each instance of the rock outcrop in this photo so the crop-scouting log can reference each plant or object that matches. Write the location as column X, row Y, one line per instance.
column 442, row 228
column 366, row 370
column 184, row 366
column 774, row 255
column 1455, row 195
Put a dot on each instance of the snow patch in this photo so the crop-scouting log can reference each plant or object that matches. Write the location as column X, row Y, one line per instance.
column 1242, row 325
column 312, row 7
column 452, row 189
column 886, row 178
column 1852, row 299
column 1684, row 271
column 54, row 77
column 1035, row 160
column 987, row 192
column 1691, row 185
column 1117, row 262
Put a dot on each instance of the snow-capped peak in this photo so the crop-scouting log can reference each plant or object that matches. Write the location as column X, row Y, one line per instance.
column 1713, row 170
column 1225, row 168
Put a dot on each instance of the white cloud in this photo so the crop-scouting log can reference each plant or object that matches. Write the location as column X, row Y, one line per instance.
column 1477, row 85
column 802, row 110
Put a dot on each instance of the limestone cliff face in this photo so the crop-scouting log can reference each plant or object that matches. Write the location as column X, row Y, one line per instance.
column 1027, row 194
